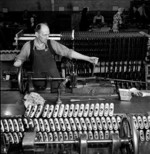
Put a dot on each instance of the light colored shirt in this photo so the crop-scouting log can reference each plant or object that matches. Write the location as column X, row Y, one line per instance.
column 57, row 47
column 98, row 18
column 116, row 21
column 141, row 10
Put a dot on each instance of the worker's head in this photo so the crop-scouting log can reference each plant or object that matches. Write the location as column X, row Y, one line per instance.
column 98, row 13
column 143, row 5
column 84, row 11
column 42, row 32
column 120, row 10
column 32, row 19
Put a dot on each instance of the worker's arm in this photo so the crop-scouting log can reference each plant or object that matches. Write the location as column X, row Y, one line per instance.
column 94, row 20
column 23, row 55
column 103, row 21
column 64, row 51
column 77, row 55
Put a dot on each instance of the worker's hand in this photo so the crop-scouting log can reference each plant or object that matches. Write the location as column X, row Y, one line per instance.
column 93, row 60
column 17, row 63
column 136, row 92
column 115, row 30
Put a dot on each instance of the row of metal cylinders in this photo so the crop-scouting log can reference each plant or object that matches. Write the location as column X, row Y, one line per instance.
column 70, row 136
column 70, row 110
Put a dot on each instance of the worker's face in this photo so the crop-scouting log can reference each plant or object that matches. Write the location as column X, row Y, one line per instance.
column 32, row 19
column 98, row 13
column 120, row 12
column 43, row 34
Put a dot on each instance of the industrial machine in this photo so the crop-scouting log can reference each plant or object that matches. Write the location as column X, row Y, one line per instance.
column 89, row 119
column 76, row 128
column 122, row 56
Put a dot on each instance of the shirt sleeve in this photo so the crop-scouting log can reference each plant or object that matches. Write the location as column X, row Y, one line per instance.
column 61, row 50
column 103, row 19
column 24, row 53
column 94, row 19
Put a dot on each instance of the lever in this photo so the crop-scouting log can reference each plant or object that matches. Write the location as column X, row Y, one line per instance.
column 93, row 69
column 59, row 101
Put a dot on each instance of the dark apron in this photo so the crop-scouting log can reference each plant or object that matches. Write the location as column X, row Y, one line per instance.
column 43, row 66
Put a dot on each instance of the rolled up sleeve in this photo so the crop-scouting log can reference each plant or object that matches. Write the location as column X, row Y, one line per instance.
column 24, row 53
column 61, row 49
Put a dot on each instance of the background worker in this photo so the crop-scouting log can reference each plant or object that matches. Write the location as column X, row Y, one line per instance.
column 98, row 20
column 117, row 20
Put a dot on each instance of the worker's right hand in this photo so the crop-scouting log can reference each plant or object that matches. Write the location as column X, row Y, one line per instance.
column 93, row 60
column 17, row 63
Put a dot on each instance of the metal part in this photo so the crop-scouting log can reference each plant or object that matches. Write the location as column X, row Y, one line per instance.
column 128, row 131
column 127, row 142
column 99, row 130
column 30, row 145
column 116, row 143
column 83, row 144
column 24, row 79
column 22, row 85
column 28, row 142
column 59, row 101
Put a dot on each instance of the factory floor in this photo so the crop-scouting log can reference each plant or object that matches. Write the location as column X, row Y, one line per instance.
column 12, row 104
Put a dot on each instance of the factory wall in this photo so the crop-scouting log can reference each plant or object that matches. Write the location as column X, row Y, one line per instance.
column 62, row 5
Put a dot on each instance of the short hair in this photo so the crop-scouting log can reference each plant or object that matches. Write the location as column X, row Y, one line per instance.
column 120, row 9
column 38, row 27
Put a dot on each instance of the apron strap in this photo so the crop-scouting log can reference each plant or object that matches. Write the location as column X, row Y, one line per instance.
column 31, row 56
column 51, row 49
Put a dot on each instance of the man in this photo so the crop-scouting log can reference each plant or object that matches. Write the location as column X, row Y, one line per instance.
column 98, row 20
column 84, row 23
column 41, row 52
column 143, row 18
column 31, row 25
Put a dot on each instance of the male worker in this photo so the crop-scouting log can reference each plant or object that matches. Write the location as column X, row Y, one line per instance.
column 41, row 52
column 98, row 20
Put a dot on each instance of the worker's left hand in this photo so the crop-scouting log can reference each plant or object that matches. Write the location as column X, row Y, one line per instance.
column 93, row 60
